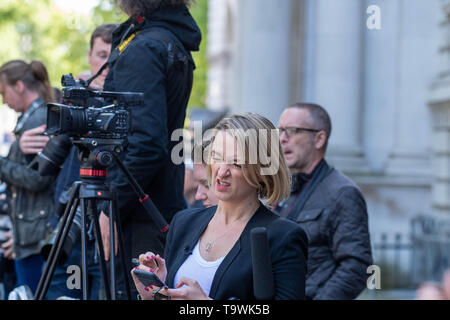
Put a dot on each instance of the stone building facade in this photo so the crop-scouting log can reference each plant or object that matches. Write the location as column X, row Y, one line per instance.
column 380, row 67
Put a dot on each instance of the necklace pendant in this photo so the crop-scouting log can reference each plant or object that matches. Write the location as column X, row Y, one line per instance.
column 208, row 247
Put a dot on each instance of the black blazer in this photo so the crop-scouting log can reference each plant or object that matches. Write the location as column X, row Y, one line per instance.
column 234, row 277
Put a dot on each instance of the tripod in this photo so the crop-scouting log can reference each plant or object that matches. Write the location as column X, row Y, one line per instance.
column 95, row 155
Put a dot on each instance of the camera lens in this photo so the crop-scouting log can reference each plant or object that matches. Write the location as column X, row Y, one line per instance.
column 54, row 154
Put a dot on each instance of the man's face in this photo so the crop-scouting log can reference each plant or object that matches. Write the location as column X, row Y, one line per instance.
column 97, row 57
column 298, row 149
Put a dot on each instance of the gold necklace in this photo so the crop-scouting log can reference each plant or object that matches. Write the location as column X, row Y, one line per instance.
column 209, row 244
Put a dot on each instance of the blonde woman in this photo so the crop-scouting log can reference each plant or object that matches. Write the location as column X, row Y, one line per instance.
column 208, row 251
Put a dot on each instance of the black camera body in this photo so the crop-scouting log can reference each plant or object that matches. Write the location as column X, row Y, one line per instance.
column 86, row 118
column 90, row 122
column 91, row 114
column 97, row 123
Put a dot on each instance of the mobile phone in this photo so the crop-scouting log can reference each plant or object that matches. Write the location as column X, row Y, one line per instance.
column 149, row 278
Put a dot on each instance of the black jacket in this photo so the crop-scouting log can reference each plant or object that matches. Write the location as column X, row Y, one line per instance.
column 335, row 219
column 234, row 277
column 153, row 57
column 157, row 62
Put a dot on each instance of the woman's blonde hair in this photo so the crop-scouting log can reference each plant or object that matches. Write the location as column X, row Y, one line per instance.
column 264, row 166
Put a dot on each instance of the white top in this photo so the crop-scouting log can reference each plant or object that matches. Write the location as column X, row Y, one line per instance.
column 197, row 268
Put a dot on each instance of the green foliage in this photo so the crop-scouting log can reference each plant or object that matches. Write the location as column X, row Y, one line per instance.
column 108, row 12
column 198, row 96
column 39, row 30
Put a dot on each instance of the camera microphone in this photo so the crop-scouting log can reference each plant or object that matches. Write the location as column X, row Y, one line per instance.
column 263, row 286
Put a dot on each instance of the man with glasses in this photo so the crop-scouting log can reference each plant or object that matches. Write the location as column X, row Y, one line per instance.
column 327, row 204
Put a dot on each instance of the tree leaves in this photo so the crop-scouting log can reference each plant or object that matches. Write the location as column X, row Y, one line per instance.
column 39, row 30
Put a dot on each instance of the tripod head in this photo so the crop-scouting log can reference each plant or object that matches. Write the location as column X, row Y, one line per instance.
column 95, row 156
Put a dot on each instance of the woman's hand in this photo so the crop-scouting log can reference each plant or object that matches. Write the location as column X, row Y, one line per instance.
column 146, row 293
column 152, row 263
column 191, row 291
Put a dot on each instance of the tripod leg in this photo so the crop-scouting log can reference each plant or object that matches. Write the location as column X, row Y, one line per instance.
column 55, row 252
column 84, row 249
column 116, row 217
column 112, row 251
column 98, row 237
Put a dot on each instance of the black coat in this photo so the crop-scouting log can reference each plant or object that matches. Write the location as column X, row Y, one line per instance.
column 335, row 219
column 157, row 62
column 234, row 277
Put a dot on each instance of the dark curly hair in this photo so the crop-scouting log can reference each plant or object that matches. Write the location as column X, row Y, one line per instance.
column 137, row 7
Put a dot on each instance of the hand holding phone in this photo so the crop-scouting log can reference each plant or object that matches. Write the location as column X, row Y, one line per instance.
column 149, row 278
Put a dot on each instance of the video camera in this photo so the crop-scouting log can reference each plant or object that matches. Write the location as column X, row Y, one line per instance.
column 85, row 118
column 91, row 114
column 94, row 122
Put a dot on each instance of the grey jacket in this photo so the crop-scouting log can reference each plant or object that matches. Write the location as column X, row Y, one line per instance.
column 339, row 252
column 31, row 194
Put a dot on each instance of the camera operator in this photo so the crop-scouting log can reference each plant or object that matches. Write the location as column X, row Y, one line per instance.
column 26, row 89
column 152, row 56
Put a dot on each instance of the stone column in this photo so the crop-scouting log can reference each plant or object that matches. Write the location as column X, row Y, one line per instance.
column 262, row 75
column 416, row 54
column 440, row 108
column 333, row 76
column 222, row 25
column 380, row 84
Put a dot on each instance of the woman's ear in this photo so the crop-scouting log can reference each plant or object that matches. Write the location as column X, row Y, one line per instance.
column 19, row 87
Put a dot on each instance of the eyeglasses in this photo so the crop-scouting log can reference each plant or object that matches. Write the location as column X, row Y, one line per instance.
column 290, row 131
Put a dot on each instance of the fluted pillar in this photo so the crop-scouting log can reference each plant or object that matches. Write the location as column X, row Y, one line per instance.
column 333, row 76
column 439, row 104
column 262, row 74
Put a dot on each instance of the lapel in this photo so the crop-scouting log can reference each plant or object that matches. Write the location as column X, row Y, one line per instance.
column 257, row 220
